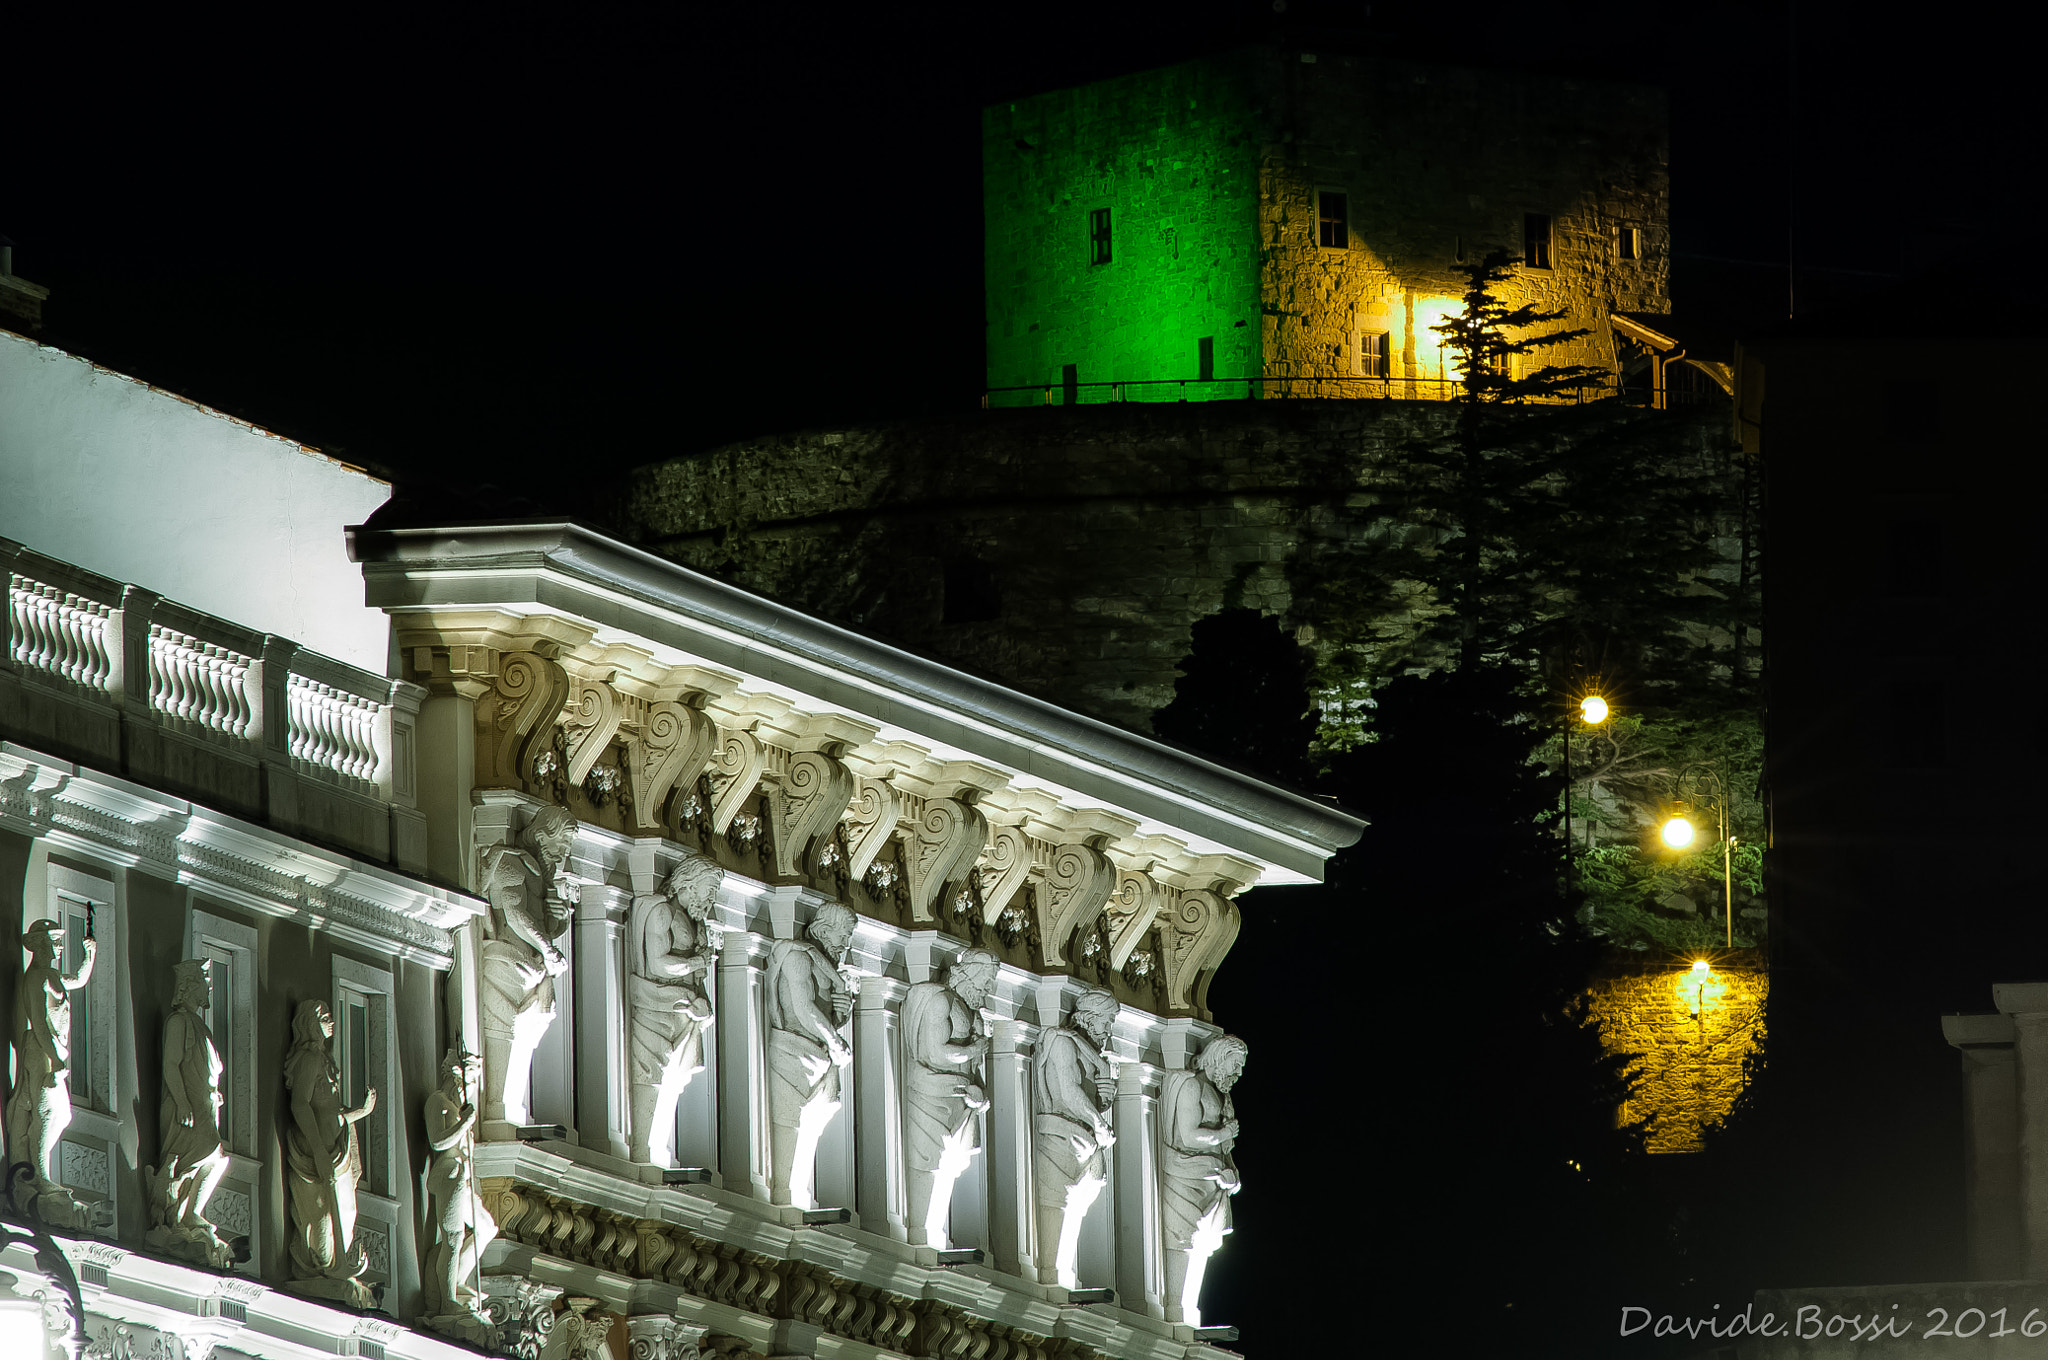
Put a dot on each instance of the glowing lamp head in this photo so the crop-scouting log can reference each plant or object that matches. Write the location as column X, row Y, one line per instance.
column 1699, row 966
column 1678, row 833
column 1593, row 710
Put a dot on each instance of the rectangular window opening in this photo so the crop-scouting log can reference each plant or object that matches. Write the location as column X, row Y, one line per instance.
column 1098, row 236
column 1373, row 354
column 1536, row 240
column 1628, row 243
column 81, row 1004
column 1070, row 384
column 1333, row 220
column 1205, row 358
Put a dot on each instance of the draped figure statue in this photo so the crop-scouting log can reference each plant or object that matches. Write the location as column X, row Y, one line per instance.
column 39, row 1108
column 520, row 958
column 945, row 1047
column 323, row 1165
column 1197, row 1177
column 190, row 1140
column 668, row 959
column 808, row 1004
column 1073, row 1089
column 460, row 1227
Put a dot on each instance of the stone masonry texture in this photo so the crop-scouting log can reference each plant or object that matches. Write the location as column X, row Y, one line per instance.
column 1079, row 545
column 1213, row 174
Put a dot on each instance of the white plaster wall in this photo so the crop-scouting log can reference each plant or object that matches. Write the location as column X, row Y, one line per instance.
column 101, row 470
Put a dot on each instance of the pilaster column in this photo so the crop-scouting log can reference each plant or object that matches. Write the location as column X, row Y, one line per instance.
column 1991, row 1152
column 603, row 1078
column 1009, row 1149
column 2027, row 1004
column 878, row 1130
column 1134, row 1190
column 741, row 1039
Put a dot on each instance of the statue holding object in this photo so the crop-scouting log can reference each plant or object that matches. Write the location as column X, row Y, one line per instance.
column 809, row 1002
column 669, row 953
column 1073, row 1090
column 39, row 1109
column 521, row 959
column 1197, row 1177
column 451, row 1282
column 323, row 1166
column 945, row 1045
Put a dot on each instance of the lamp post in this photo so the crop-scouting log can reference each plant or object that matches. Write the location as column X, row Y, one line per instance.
column 1705, row 783
column 1592, row 712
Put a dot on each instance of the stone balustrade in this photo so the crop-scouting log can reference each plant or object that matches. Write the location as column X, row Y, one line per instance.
column 118, row 677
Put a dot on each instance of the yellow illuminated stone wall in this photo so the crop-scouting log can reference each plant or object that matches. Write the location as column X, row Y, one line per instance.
column 1690, row 1031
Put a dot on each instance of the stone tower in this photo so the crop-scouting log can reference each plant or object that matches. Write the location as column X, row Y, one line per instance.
column 1286, row 220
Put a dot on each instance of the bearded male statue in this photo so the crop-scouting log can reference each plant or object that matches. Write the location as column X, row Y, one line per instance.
column 809, row 1003
column 668, row 955
column 1073, row 1090
column 189, row 1134
column 520, row 957
column 1197, row 1130
column 945, row 1046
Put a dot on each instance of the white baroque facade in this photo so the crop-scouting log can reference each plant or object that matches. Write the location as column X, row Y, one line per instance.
column 612, row 826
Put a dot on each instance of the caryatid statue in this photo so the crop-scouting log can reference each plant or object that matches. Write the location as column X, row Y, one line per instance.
column 668, row 955
column 809, row 1003
column 1073, row 1090
column 1197, row 1129
column 323, row 1165
column 945, row 1046
column 461, row 1229
column 521, row 959
column 189, row 1136
column 39, row 1109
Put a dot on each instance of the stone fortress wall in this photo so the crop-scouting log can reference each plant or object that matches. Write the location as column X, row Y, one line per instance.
column 1068, row 552
column 1211, row 172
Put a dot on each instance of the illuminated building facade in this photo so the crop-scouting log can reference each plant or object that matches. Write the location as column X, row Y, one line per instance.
column 1287, row 220
column 639, row 967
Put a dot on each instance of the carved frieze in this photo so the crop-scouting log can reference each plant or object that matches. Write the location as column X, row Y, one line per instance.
column 805, row 804
column 1078, row 882
column 942, row 845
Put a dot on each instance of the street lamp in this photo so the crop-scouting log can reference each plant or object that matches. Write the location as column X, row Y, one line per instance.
column 1593, row 711
column 1697, row 784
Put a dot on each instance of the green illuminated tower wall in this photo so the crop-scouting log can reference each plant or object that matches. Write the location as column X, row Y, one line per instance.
column 1173, row 155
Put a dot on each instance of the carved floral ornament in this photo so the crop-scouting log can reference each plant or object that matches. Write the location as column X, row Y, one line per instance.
column 687, row 753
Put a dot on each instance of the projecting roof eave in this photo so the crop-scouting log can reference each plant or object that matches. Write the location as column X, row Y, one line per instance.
column 569, row 568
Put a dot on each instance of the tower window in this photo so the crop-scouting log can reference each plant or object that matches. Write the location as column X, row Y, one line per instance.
column 1628, row 243
column 1098, row 236
column 1333, row 220
column 1536, row 240
column 1372, row 354
column 1205, row 358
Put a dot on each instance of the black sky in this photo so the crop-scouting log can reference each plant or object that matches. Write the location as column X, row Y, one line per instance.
column 537, row 248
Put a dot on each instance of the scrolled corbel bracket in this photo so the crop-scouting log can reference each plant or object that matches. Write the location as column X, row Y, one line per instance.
column 736, row 765
column 1197, row 932
column 1134, row 905
column 1005, row 865
column 808, row 802
column 1078, row 882
column 944, row 843
column 870, row 818
column 669, row 752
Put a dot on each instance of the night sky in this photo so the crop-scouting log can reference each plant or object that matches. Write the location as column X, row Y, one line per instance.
column 515, row 255
column 535, row 251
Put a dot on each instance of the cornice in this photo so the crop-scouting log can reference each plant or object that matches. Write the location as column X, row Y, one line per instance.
column 629, row 597
column 224, row 857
